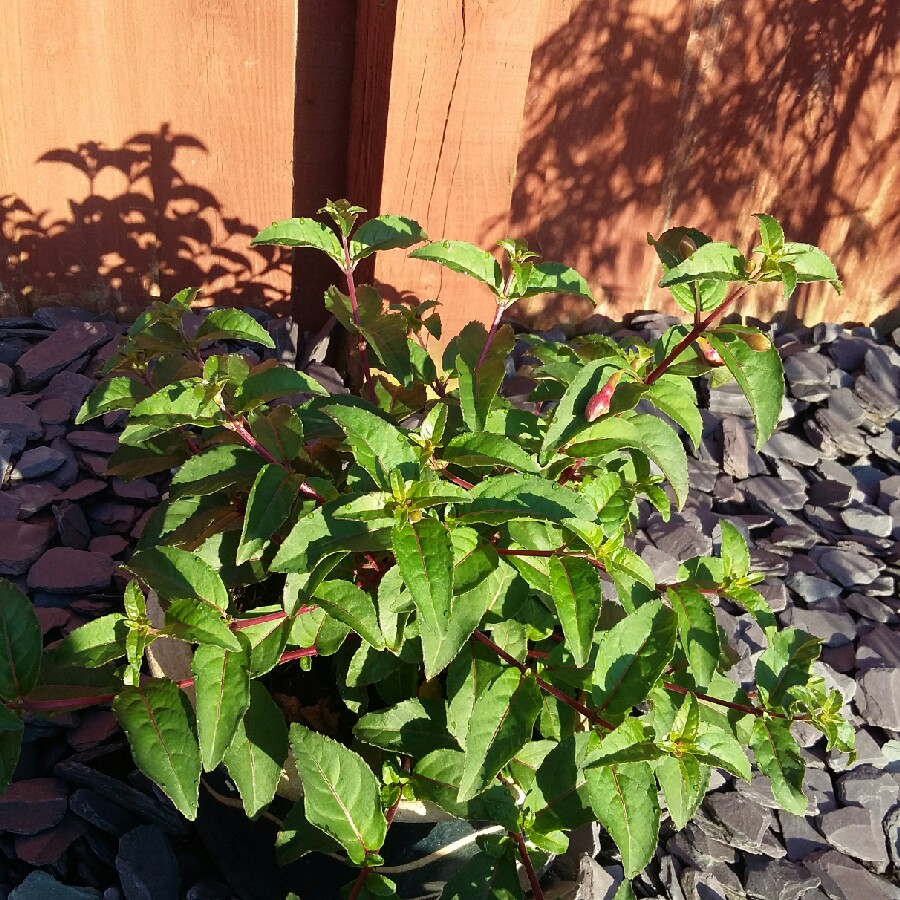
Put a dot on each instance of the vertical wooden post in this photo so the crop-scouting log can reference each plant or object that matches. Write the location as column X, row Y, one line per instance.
column 459, row 73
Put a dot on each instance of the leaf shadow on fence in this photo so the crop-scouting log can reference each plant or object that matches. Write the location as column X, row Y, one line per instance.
column 141, row 229
column 638, row 121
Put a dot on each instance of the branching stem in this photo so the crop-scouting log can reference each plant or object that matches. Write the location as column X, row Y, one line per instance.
column 519, row 840
column 354, row 307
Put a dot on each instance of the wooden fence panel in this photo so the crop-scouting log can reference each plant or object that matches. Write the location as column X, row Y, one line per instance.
column 636, row 115
column 142, row 145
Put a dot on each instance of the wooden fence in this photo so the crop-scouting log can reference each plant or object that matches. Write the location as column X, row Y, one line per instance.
column 141, row 145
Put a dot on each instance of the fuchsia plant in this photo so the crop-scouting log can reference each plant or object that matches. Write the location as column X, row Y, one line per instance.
column 455, row 560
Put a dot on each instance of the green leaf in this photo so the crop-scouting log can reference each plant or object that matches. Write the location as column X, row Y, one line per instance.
column 197, row 621
column 298, row 838
column 385, row 233
column 11, row 731
column 676, row 397
column 271, row 380
column 159, row 724
column 673, row 247
column 719, row 747
column 342, row 795
column 302, row 232
column 559, row 797
column 178, row 574
column 95, row 643
column 377, row 446
column 698, row 631
column 279, row 431
column 735, row 555
column 772, row 234
column 20, row 643
column 683, row 780
column 117, row 393
column 754, row 603
column 222, row 683
column 502, row 720
column 135, row 604
column 786, row 663
column 788, row 279
column 631, row 657
column 265, row 641
column 478, row 384
column 555, row 278
column 503, row 497
column 319, row 534
column 424, row 556
column 271, row 498
column 485, row 877
column 778, row 757
column 233, row 325
column 715, row 261
column 486, row 449
column 354, row 607
column 624, row 800
column 413, row 728
column 810, row 264
column 435, row 779
column 760, row 375
column 648, row 434
column 576, row 592
column 465, row 258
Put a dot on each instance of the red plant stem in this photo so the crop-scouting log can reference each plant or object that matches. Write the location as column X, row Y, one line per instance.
column 519, row 841
column 501, row 308
column 270, row 617
column 580, row 708
column 78, row 702
column 692, row 335
column 739, row 707
column 354, row 307
column 364, row 872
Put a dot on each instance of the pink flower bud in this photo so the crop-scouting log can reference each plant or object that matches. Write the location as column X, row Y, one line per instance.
column 599, row 403
column 710, row 354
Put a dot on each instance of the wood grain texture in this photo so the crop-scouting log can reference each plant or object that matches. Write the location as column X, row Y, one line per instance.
column 143, row 144
column 644, row 114
column 457, row 92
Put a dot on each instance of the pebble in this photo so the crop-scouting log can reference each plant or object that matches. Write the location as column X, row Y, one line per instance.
column 63, row 570
column 878, row 700
column 33, row 805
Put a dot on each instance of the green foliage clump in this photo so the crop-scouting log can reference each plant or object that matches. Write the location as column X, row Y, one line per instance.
column 457, row 560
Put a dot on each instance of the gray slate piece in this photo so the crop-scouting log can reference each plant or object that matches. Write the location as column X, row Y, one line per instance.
column 33, row 805
column 870, row 787
column 834, row 628
column 68, row 343
column 147, row 866
column 63, row 570
column 17, row 417
column 844, row 879
column 784, row 445
column 21, row 543
column 811, row 588
column 857, row 831
column 867, row 520
column 878, row 698
column 848, row 568
column 880, row 646
column 776, row 879
column 799, row 836
column 36, row 462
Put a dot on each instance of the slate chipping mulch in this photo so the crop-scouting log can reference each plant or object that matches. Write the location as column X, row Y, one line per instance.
column 820, row 505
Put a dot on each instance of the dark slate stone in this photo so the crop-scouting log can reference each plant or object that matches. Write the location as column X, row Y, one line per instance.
column 856, row 831
column 96, row 726
column 53, row 412
column 849, row 352
column 697, row 885
column 147, row 808
column 849, row 568
column 70, row 387
column 882, row 365
column 41, row 461
column 46, row 847
column 879, row 646
column 694, row 847
column 878, row 697
column 867, row 520
column 843, row 404
column 55, row 316
column 746, row 824
column 680, row 540
column 141, row 489
column 109, row 544
column 33, row 805
column 17, row 417
column 833, row 436
column 69, row 342
column 9, row 508
column 795, row 537
column 786, row 446
column 799, row 836
column 776, row 879
column 844, row 879
column 879, row 404
column 21, row 543
column 147, row 867
column 102, row 813
column 74, row 530
column 871, row 608
column 94, row 441
column 118, row 517
column 834, row 628
column 7, row 379
column 812, row 589
column 775, row 495
column 328, row 377
column 33, row 496
column 892, row 829
column 62, row 570
column 739, row 459
column 868, row 786
column 41, row 885
column 88, row 487
column 833, row 493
